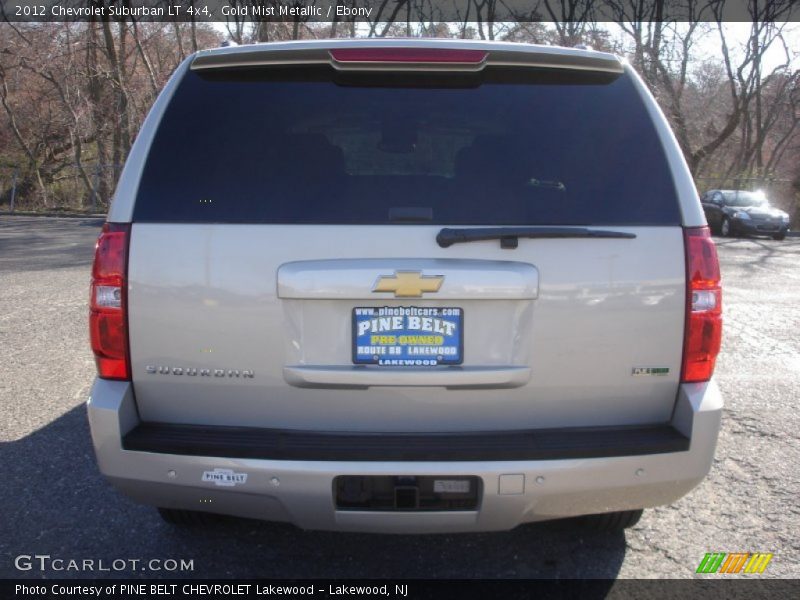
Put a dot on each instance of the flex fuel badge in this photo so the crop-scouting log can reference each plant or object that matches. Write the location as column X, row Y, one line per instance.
column 224, row 477
column 650, row 371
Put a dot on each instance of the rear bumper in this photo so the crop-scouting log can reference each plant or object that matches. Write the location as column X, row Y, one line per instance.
column 300, row 491
column 524, row 445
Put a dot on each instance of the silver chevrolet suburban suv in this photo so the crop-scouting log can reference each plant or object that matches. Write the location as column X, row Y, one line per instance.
column 405, row 286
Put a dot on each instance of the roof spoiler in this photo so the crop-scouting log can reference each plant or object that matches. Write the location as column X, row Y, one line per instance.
column 360, row 56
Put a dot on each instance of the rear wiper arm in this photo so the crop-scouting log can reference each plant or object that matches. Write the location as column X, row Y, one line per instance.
column 509, row 236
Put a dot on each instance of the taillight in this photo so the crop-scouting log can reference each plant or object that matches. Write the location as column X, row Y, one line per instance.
column 409, row 55
column 108, row 315
column 703, row 333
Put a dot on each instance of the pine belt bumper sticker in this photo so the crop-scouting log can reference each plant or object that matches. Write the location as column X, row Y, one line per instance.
column 408, row 336
column 224, row 477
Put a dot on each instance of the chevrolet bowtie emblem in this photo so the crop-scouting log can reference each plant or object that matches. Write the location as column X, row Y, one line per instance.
column 409, row 284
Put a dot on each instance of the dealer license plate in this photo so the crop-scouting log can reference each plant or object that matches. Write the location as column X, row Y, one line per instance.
column 408, row 336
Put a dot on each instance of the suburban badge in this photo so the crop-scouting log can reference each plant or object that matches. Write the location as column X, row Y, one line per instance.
column 193, row 372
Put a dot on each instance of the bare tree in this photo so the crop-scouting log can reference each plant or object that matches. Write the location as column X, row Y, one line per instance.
column 571, row 18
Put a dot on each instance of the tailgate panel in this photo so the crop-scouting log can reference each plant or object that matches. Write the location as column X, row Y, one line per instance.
column 552, row 331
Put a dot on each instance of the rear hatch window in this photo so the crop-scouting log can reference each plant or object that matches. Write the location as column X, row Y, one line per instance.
column 313, row 146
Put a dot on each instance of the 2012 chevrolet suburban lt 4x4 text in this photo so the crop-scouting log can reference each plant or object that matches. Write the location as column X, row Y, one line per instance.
column 405, row 286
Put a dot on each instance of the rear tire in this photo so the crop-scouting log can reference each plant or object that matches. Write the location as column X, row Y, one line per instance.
column 613, row 521
column 725, row 227
column 185, row 518
column 779, row 237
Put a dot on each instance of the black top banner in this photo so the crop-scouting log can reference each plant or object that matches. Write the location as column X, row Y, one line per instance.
column 415, row 11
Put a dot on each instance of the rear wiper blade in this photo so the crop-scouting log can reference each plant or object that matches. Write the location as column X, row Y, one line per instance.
column 509, row 236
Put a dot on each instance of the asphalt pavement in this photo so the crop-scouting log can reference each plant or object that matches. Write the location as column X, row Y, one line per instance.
column 53, row 500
